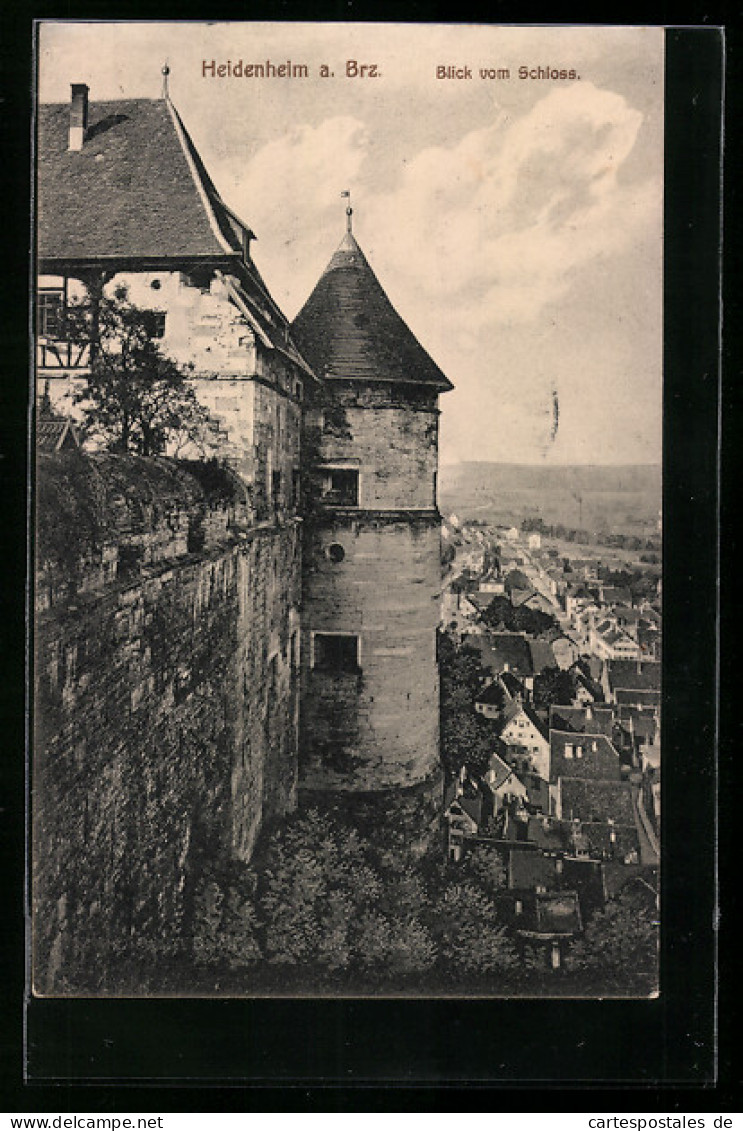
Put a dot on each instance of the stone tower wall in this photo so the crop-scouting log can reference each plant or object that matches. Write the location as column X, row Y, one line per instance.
column 374, row 727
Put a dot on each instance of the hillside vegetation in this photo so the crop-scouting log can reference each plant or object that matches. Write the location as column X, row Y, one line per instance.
column 598, row 498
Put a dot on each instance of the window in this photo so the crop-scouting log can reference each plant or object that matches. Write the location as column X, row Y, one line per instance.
column 49, row 311
column 275, row 486
column 579, row 751
column 158, row 324
column 335, row 552
column 568, row 750
column 335, row 652
column 340, row 487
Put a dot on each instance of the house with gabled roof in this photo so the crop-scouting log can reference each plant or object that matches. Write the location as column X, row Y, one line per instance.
column 128, row 217
column 609, row 641
column 504, row 783
column 468, row 805
column 542, row 656
column 583, row 755
column 614, row 594
column 633, row 683
column 56, row 435
column 565, row 650
column 525, row 741
column 493, row 699
column 503, row 651
column 548, row 920
column 514, row 686
column 588, row 719
column 126, row 208
column 595, row 800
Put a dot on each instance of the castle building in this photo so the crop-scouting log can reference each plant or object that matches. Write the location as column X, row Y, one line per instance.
column 166, row 703
column 372, row 569
column 171, row 592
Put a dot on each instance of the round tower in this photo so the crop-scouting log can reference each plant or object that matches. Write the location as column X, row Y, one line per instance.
column 372, row 575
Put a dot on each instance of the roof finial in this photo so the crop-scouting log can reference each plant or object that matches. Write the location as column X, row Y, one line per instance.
column 349, row 211
column 165, row 73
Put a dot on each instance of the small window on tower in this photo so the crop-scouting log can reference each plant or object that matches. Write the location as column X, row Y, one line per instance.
column 335, row 552
column 49, row 312
column 335, row 652
column 340, row 487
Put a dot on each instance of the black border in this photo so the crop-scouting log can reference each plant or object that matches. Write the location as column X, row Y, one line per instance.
column 665, row 1047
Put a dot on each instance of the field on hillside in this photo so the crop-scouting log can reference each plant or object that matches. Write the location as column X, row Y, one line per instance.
column 614, row 500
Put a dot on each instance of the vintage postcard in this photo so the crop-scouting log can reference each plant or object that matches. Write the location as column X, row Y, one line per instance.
column 347, row 611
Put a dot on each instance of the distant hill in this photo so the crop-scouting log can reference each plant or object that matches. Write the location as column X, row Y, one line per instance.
column 625, row 499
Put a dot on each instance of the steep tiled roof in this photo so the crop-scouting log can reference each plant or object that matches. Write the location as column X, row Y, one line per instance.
column 590, row 666
column 501, row 771
column 137, row 195
column 54, row 435
column 498, row 649
column 542, row 656
column 348, row 327
column 512, row 684
column 515, row 708
column 548, row 834
column 480, row 600
column 599, row 763
column 597, row 801
column 637, row 698
column 641, row 724
column 614, row 593
column 527, row 870
column 635, row 675
column 599, row 837
column 538, row 792
column 582, row 720
column 492, row 695
column 626, row 614
column 136, row 190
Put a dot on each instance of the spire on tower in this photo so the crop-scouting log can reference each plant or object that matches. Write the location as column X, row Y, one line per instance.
column 165, row 72
column 349, row 211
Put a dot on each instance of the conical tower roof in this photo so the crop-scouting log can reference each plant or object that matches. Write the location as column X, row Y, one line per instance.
column 348, row 328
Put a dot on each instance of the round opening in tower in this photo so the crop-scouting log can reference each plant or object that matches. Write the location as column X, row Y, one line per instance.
column 335, row 552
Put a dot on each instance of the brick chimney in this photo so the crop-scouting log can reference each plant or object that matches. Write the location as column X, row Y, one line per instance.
column 78, row 115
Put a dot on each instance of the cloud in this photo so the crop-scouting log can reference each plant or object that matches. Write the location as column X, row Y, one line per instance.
column 514, row 210
column 491, row 229
column 284, row 193
column 530, row 222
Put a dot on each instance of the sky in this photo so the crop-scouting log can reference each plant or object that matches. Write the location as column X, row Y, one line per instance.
column 515, row 224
